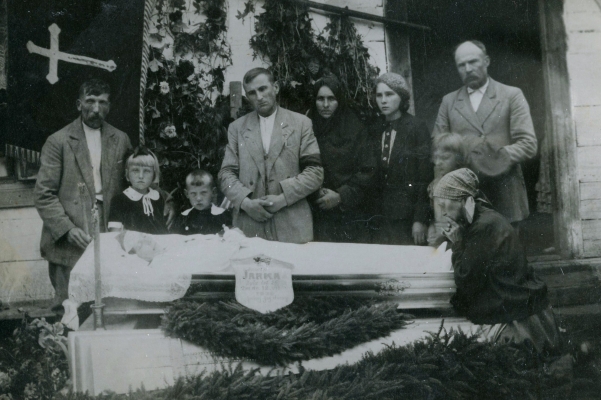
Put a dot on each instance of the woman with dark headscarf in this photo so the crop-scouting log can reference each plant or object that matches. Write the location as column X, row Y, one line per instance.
column 401, row 207
column 349, row 166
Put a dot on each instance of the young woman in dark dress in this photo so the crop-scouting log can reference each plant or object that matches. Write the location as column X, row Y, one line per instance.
column 349, row 169
column 401, row 207
column 139, row 207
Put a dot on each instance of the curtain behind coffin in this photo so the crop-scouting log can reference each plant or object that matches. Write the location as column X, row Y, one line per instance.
column 101, row 29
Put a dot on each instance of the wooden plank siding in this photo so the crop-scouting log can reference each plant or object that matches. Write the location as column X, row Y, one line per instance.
column 560, row 127
column 23, row 272
column 583, row 26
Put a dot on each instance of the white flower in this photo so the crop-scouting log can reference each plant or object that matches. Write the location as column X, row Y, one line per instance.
column 170, row 131
column 164, row 87
column 4, row 380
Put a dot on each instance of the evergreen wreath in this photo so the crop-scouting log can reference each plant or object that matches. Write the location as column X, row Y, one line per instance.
column 311, row 327
column 445, row 366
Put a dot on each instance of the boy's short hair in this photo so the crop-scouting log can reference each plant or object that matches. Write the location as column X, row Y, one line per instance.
column 197, row 178
column 451, row 142
column 144, row 157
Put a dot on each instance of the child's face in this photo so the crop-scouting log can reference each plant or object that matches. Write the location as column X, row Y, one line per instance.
column 140, row 177
column 444, row 162
column 201, row 197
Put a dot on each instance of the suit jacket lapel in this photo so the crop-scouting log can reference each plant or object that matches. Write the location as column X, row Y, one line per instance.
column 278, row 139
column 489, row 102
column 252, row 139
column 109, row 142
column 464, row 107
column 79, row 145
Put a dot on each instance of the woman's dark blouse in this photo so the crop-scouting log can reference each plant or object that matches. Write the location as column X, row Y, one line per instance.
column 403, row 182
column 494, row 282
column 131, row 214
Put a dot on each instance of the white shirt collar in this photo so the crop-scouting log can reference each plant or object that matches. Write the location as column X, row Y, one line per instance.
column 481, row 89
column 134, row 195
column 89, row 130
column 214, row 210
column 270, row 117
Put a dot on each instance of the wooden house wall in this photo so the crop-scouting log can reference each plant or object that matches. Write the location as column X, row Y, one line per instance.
column 23, row 272
column 583, row 25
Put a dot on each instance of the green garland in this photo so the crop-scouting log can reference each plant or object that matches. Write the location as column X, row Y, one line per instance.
column 446, row 366
column 308, row 328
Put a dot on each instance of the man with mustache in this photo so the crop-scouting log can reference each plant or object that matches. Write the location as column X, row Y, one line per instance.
column 495, row 121
column 271, row 164
column 87, row 153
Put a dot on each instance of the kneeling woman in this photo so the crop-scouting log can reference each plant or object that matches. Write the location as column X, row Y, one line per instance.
column 495, row 286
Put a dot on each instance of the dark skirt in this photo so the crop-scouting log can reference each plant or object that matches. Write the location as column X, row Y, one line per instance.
column 391, row 231
column 339, row 226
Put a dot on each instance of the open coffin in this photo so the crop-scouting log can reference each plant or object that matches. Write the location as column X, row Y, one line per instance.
column 202, row 266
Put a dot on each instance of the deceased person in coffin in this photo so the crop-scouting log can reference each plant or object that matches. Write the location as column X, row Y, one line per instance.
column 161, row 268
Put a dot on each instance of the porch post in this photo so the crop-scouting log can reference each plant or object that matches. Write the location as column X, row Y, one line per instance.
column 560, row 131
column 398, row 55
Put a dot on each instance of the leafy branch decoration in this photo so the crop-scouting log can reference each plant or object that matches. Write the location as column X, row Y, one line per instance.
column 298, row 56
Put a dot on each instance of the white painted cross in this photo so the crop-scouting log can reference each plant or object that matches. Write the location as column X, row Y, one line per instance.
column 54, row 55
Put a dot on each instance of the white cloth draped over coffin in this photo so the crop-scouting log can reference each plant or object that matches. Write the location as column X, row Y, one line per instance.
column 169, row 275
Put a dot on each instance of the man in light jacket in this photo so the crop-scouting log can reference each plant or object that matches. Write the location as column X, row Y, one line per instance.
column 495, row 120
column 272, row 163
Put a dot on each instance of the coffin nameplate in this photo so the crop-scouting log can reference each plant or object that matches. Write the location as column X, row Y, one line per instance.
column 263, row 284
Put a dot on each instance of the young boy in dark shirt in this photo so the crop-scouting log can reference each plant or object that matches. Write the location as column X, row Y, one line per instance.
column 204, row 217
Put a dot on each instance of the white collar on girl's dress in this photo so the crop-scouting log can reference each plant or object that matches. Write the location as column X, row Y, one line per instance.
column 214, row 210
column 134, row 195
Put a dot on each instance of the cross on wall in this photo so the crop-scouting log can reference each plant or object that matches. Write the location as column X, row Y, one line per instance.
column 54, row 54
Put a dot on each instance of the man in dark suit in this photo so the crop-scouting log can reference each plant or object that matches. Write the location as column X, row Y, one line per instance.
column 495, row 120
column 88, row 152
column 271, row 165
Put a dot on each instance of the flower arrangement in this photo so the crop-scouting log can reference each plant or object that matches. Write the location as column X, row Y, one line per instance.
column 186, row 113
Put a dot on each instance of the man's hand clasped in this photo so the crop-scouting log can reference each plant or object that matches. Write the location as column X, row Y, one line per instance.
column 263, row 209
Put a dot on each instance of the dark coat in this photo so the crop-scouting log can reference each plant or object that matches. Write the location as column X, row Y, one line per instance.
column 349, row 169
column 66, row 164
column 131, row 214
column 403, row 186
column 204, row 222
column 494, row 282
